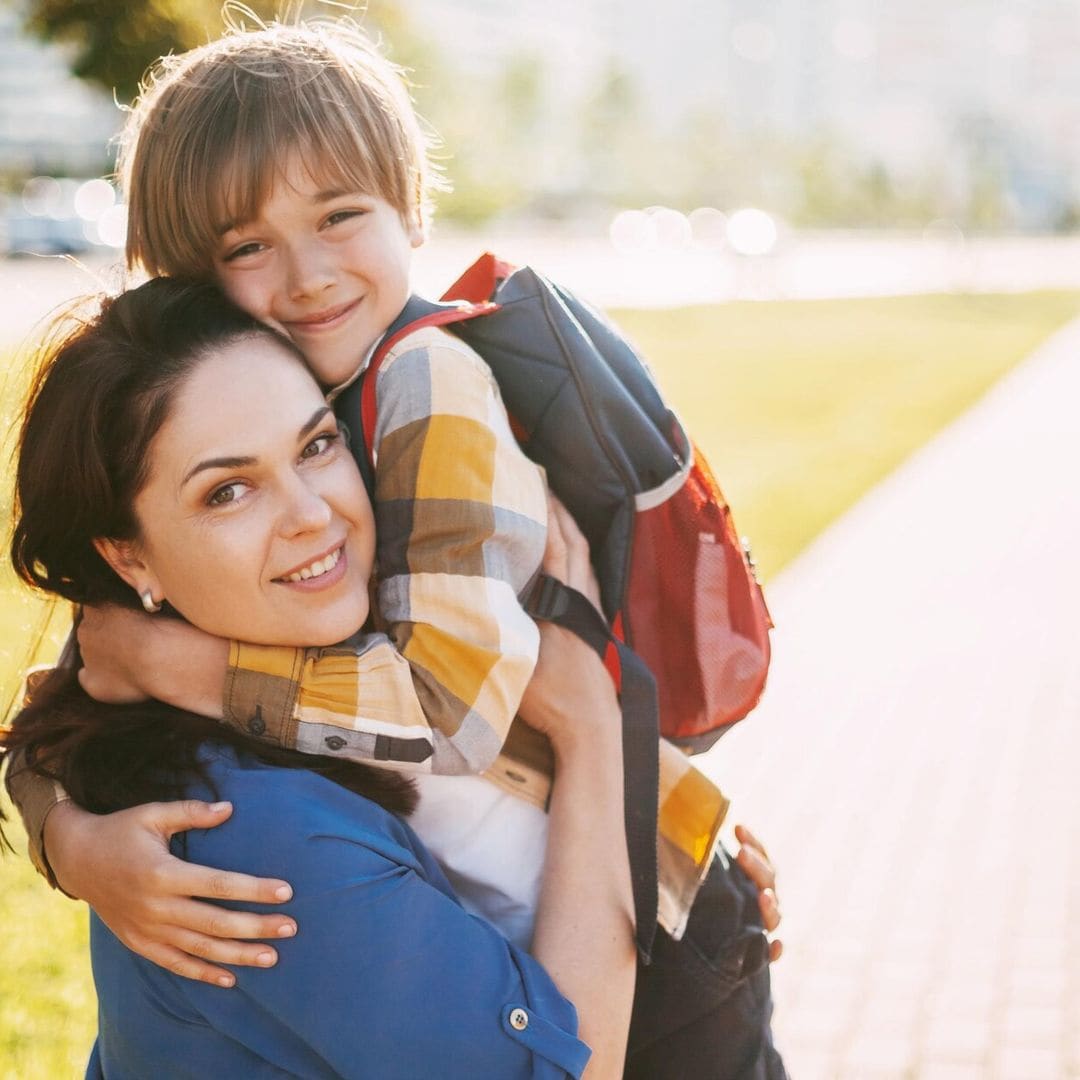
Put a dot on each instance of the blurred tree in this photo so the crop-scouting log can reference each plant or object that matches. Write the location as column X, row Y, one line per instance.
column 610, row 131
column 115, row 41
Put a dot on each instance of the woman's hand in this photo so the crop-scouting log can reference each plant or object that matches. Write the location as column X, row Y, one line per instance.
column 129, row 656
column 121, row 866
column 755, row 862
column 584, row 932
column 570, row 689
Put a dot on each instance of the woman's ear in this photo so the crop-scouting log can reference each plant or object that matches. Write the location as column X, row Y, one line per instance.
column 126, row 560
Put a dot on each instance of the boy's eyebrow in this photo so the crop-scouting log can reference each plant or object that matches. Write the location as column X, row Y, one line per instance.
column 320, row 197
column 243, row 461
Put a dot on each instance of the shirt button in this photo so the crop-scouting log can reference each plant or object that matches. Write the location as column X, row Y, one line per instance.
column 519, row 1019
column 256, row 725
column 335, row 742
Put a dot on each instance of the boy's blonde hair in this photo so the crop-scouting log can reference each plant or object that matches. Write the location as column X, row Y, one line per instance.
column 214, row 127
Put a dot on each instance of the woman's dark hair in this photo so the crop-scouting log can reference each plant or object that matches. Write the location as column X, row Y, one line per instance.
column 100, row 395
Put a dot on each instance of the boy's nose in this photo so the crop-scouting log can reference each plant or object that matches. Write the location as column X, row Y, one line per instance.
column 309, row 274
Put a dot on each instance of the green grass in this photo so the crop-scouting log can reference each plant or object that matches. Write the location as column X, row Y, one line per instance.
column 48, row 1017
column 800, row 407
column 803, row 406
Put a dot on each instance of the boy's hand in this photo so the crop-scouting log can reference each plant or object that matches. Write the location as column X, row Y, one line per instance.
column 120, row 864
column 754, row 860
column 129, row 656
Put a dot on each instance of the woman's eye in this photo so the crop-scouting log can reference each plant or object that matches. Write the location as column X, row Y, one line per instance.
column 225, row 494
column 319, row 445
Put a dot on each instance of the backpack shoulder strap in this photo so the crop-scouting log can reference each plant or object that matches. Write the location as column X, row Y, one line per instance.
column 557, row 602
column 357, row 404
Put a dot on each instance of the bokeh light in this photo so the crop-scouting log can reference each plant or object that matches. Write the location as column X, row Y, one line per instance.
column 93, row 199
column 42, row 196
column 752, row 232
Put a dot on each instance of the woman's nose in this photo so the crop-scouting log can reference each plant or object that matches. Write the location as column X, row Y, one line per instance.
column 305, row 510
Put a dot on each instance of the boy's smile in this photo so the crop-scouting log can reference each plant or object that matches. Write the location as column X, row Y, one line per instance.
column 327, row 267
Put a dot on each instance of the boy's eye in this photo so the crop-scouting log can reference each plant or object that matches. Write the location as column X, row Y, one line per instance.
column 225, row 494
column 339, row 216
column 319, row 445
column 243, row 250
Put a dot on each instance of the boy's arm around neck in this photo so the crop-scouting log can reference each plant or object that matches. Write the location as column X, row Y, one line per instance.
column 461, row 519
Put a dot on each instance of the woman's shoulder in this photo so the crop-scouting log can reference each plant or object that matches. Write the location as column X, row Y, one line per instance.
column 280, row 812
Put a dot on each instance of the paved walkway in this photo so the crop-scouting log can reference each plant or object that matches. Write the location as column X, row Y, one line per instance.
column 915, row 765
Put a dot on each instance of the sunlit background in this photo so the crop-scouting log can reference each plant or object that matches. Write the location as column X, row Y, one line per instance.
column 821, row 113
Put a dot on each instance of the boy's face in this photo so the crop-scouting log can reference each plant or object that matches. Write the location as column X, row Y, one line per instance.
column 329, row 268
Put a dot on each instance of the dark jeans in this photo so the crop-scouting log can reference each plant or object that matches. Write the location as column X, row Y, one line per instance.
column 702, row 1008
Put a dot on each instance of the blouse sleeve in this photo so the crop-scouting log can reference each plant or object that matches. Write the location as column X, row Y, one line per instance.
column 387, row 967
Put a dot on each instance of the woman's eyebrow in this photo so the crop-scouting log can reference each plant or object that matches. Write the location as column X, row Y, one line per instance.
column 315, row 421
column 218, row 463
column 241, row 462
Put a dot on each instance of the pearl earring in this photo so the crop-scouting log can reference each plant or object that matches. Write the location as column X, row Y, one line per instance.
column 147, row 598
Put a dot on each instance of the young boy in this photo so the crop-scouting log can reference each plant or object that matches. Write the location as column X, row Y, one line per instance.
column 288, row 165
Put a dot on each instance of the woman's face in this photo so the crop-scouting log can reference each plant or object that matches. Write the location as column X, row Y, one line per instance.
column 254, row 521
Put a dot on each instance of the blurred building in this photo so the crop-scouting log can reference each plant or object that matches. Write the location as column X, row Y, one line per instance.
column 978, row 97
column 984, row 93
column 570, row 39
column 50, row 122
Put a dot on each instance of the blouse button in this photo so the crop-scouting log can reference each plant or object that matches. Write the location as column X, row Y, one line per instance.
column 519, row 1019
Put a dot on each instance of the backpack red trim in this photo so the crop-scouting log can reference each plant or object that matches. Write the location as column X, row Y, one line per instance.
column 480, row 281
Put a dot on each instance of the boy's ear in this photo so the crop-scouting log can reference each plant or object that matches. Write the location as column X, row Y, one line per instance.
column 126, row 560
column 417, row 230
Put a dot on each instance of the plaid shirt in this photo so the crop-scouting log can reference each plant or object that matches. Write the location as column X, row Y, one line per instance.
column 461, row 528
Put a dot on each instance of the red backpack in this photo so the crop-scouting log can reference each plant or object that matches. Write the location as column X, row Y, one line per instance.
column 686, row 636
column 677, row 585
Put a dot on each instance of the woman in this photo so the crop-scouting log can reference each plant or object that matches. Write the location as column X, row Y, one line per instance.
column 173, row 448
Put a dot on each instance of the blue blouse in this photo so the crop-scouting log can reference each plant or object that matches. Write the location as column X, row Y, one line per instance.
column 388, row 977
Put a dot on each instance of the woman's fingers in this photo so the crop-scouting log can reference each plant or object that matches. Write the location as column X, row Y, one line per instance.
column 770, row 909
column 757, row 868
column 755, row 863
column 571, row 562
column 746, row 837
column 555, row 553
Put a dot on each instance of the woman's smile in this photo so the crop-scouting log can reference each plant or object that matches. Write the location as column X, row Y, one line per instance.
column 320, row 573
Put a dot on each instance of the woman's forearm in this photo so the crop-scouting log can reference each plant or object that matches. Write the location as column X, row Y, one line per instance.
column 585, row 925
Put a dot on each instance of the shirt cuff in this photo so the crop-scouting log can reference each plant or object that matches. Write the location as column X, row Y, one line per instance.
column 261, row 687
column 35, row 797
column 545, row 1022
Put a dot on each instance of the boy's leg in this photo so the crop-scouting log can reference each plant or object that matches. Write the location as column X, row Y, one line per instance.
column 702, row 1009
